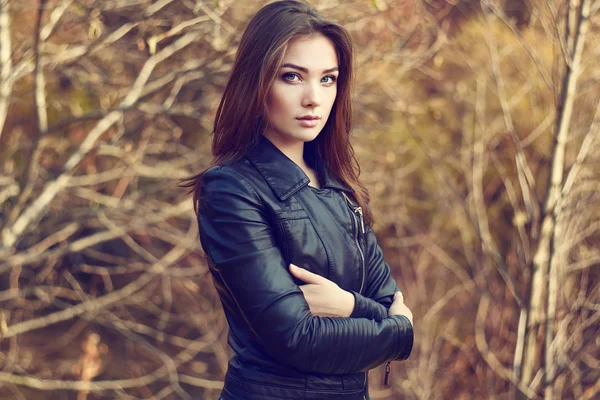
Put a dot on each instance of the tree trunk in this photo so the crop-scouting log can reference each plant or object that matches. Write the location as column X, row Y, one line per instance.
column 544, row 285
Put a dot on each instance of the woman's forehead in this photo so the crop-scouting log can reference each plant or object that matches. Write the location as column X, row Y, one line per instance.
column 315, row 53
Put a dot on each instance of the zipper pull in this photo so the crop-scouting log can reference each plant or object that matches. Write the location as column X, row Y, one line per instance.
column 360, row 214
column 388, row 370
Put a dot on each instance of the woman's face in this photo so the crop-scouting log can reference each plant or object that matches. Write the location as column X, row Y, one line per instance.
column 304, row 91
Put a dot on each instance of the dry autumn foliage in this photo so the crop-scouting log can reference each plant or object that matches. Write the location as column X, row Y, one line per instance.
column 477, row 129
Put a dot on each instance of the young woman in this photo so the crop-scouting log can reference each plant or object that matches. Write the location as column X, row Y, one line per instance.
column 284, row 221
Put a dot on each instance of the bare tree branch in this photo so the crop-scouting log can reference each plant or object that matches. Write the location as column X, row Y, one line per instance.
column 534, row 56
column 6, row 61
column 90, row 306
column 10, row 235
column 584, row 150
column 36, row 254
column 487, row 354
column 545, row 260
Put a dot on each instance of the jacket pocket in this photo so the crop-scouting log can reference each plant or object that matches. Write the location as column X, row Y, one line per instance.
column 300, row 243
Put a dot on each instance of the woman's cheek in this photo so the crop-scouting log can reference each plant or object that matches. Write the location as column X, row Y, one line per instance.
column 281, row 98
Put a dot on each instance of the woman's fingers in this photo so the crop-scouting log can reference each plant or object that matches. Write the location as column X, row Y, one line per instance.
column 306, row 276
column 399, row 308
column 399, row 295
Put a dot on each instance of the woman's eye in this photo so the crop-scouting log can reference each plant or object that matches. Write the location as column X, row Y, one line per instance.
column 291, row 77
column 328, row 79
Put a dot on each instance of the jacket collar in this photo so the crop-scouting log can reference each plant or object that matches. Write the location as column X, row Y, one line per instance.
column 283, row 175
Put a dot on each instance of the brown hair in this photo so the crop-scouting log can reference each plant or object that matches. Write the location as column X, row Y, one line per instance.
column 240, row 118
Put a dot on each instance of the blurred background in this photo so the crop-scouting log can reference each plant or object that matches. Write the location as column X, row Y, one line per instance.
column 476, row 127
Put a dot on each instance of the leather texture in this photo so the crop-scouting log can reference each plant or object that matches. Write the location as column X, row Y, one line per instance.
column 256, row 216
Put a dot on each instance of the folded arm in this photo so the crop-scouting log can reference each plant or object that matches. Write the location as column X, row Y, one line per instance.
column 237, row 236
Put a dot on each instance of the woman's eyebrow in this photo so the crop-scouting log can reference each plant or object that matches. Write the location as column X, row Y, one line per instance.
column 305, row 70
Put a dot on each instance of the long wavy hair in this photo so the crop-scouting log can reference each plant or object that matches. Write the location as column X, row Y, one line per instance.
column 241, row 115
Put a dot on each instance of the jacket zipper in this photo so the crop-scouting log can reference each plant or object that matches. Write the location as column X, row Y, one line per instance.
column 388, row 370
column 358, row 210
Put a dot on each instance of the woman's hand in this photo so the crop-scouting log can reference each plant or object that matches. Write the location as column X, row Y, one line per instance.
column 324, row 297
column 399, row 308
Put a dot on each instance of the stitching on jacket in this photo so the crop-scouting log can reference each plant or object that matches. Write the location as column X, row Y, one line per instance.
column 246, row 182
column 274, row 185
column 403, row 349
column 328, row 251
column 287, row 248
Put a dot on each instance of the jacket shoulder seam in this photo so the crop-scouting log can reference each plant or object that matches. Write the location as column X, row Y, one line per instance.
column 244, row 180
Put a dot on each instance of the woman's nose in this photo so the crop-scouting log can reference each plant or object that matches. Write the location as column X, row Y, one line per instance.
column 312, row 96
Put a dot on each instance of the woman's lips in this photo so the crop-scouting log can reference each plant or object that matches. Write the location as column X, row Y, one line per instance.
column 308, row 122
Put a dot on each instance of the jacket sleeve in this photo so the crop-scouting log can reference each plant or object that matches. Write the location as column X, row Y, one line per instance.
column 236, row 235
column 380, row 285
column 365, row 307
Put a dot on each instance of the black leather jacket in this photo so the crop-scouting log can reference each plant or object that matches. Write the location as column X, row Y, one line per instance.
column 256, row 216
